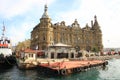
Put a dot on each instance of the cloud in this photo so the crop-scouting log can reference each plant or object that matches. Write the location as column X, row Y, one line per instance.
column 19, row 14
column 108, row 16
column 20, row 32
column 14, row 8
column 107, row 12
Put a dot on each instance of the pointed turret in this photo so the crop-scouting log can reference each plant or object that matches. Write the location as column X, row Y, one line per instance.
column 45, row 19
column 75, row 24
column 45, row 14
column 86, row 24
column 91, row 23
column 95, row 25
column 95, row 21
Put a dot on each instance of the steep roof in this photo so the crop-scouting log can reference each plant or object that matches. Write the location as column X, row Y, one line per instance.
column 45, row 14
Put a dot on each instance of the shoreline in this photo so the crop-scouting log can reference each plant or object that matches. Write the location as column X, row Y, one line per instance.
column 108, row 57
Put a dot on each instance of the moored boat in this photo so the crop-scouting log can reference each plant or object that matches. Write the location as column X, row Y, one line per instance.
column 27, row 59
column 6, row 57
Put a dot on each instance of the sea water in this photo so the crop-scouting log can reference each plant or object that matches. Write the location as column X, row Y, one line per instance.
column 111, row 72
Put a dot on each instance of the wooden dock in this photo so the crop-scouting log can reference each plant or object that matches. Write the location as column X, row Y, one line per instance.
column 68, row 67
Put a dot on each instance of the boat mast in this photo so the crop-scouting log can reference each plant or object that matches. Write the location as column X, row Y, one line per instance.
column 3, row 31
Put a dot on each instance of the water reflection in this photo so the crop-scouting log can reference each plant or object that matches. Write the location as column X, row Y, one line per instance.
column 111, row 72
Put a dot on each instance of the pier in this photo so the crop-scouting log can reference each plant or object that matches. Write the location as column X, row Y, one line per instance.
column 60, row 60
column 69, row 67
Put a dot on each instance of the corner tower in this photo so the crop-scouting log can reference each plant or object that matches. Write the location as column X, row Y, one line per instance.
column 45, row 19
column 42, row 34
column 97, row 34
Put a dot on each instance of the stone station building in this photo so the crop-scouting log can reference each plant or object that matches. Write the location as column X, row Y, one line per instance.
column 45, row 34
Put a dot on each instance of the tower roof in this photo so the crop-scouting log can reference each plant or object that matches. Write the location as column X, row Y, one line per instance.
column 95, row 21
column 45, row 14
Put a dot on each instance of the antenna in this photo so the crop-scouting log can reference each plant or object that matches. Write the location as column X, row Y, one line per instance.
column 3, row 30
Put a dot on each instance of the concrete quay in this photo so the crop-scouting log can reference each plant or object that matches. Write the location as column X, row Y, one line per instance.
column 33, row 63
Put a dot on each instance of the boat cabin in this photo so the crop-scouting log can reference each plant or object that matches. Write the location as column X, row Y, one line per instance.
column 31, row 54
column 61, row 51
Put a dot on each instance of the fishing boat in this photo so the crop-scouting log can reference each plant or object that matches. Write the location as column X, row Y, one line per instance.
column 6, row 56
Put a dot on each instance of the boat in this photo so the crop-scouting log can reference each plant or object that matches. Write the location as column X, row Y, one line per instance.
column 6, row 57
column 29, row 58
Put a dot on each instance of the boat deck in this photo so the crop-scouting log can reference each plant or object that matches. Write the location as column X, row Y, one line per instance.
column 69, row 66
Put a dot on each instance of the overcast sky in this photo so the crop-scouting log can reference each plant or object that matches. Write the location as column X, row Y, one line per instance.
column 21, row 16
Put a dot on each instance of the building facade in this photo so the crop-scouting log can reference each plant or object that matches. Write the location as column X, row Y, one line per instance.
column 46, row 33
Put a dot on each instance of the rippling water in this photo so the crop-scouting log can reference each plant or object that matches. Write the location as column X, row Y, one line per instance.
column 111, row 72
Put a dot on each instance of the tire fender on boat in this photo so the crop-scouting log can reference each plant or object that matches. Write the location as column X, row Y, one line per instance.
column 63, row 72
column 106, row 62
column 78, row 69
column 82, row 68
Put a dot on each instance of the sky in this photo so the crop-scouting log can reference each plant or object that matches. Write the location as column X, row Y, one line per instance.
column 21, row 16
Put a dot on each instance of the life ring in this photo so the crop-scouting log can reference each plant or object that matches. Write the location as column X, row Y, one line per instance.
column 63, row 72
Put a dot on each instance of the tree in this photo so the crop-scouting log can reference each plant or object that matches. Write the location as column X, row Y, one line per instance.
column 23, row 45
column 95, row 49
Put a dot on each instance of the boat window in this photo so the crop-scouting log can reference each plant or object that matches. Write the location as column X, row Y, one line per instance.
column 8, row 41
column 31, row 55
